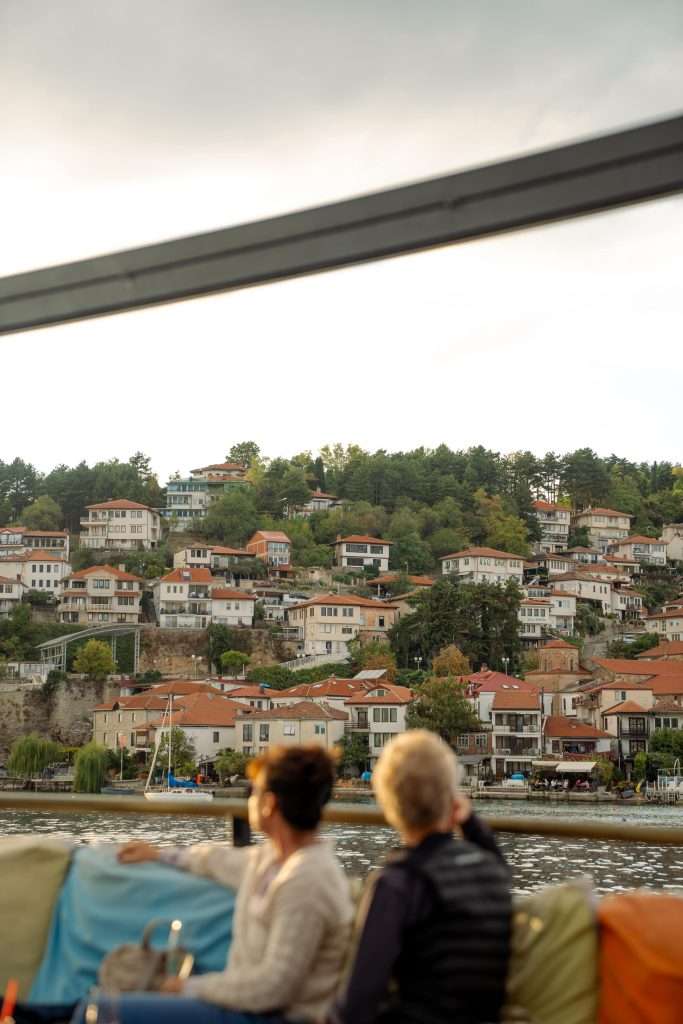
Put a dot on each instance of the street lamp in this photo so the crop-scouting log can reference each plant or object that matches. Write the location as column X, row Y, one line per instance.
column 418, row 661
column 506, row 662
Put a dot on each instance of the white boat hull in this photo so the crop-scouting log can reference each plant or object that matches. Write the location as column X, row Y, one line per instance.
column 164, row 795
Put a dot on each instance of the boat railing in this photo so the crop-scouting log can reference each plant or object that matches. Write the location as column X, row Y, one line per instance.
column 335, row 814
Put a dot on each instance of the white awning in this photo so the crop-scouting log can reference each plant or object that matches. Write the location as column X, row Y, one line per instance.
column 576, row 766
column 545, row 764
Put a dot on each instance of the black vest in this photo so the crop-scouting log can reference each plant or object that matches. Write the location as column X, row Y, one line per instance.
column 453, row 964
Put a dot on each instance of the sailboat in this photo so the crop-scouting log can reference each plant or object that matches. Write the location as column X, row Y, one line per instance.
column 173, row 790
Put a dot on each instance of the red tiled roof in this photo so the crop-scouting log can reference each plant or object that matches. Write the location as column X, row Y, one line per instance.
column 253, row 690
column 183, row 687
column 548, row 506
column 603, row 512
column 107, row 570
column 218, row 550
column 34, row 555
column 628, row 666
column 331, row 687
column 392, row 577
column 205, row 709
column 663, row 650
column 275, row 535
column 347, row 599
column 323, row 494
column 362, row 538
column 303, row 710
column 482, row 552
column 666, row 615
column 638, row 538
column 140, row 702
column 44, row 533
column 558, row 725
column 6, row 579
column 666, row 707
column 226, row 466
column 626, row 707
column 187, row 575
column 507, row 700
column 121, row 503
column 492, row 682
column 226, row 594
column 558, row 644
column 395, row 695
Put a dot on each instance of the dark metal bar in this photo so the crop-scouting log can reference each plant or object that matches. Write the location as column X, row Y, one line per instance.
column 342, row 814
column 569, row 181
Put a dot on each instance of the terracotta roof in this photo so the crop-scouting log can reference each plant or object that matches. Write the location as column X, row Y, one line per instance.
column 331, row 687
column 559, row 644
column 666, row 615
column 303, row 710
column 187, row 575
column 666, row 707
column 34, row 555
column 558, row 725
column 392, row 577
column 205, row 709
column 275, row 535
column 121, row 503
column 226, row 594
column 548, row 506
column 218, row 550
column 6, row 579
column 603, row 512
column 395, row 695
column 44, row 533
column 362, row 538
column 253, row 690
column 141, row 701
column 546, row 602
column 323, row 494
column 347, row 599
column 482, row 552
column 488, row 681
column 638, row 538
column 183, row 687
column 626, row 707
column 507, row 700
column 663, row 650
column 629, row 666
column 107, row 570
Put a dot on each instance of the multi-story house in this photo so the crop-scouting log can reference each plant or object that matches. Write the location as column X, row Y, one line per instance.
column 359, row 551
column 182, row 599
column 380, row 714
column 288, row 724
column 588, row 556
column 198, row 556
column 253, row 695
column 208, row 720
column 188, row 498
column 101, row 594
column 630, row 723
column 474, row 750
column 554, row 523
column 668, row 650
column 587, row 587
column 563, row 736
column 326, row 624
column 18, row 540
column 534, row 616
column 604, row 525
column 644, row 550
column 548, row 565
column 672, row 536
column 669, row 625
column 271, row 546
column 319, row 501
column 484, row 565
column 11, row 593
column 125, row 721
column 627, row 604
column 230, row 607
column 37, row 570
column 120, row 525
column 333, row 692
column 517, row 731
column 481, row 689
column 231, row 564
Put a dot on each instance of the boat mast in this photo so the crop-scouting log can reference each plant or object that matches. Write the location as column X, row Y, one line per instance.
column 156, row 750
column 170, row 734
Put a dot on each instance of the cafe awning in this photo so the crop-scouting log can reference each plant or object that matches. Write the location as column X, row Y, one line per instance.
column 545, row 764
column 576, row 766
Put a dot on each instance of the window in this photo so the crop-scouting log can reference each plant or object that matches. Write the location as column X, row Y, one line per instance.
column 216, row 736
column 264, row 732
column 247, row 733
column 102, row 584
column 347, row 613
column 289, row 729
column 319, row 728
column 464, row 740
column 480, row 740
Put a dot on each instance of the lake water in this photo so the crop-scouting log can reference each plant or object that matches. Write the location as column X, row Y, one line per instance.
column 535, row 860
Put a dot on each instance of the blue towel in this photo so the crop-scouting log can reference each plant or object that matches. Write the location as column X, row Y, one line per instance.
column 104, row 904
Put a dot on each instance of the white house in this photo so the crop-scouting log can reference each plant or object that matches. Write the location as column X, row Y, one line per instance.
column 563, row 735
column 483, row 565
column 647, row 550
column 120, row 524
column 325, row 624
column 11, row 593
column 380, row 714
column 197, row 556
column 672, row 536
column 319, row 501
column 16, row 540
column 481, row 689
column 554, row 523
column 289, row 724
column 360, row 551
column 182, row 599
column 668, row 624
column 517, row 731
column 232, row 607
column 333, row 692
column 37, row 570
column 100, row 594
column 604, row 525
column 587, row 587
column 208, row 721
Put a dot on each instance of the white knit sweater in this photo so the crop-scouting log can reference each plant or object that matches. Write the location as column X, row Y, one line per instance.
column 290, row 934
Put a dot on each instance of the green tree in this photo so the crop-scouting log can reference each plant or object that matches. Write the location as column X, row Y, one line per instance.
column 90, row 768
column 42, row 514
column 231, row 762
column 94, row 660
column 667, row 741
column 233, row 518
column 355, row 752
column 294, row 489
column 450, row 661
column 244, row 452
column 225, row 638
column 183, row 753
column 32, row 753
column 233, row 662
column 442, row 708
column 620, row 649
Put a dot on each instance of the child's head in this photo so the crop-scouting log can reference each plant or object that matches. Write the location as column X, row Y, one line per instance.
column 416, row 782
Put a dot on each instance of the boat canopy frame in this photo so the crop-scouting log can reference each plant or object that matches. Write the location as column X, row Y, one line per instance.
column 578, row 179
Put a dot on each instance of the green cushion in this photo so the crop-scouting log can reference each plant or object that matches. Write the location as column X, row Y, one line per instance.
column 32, row 871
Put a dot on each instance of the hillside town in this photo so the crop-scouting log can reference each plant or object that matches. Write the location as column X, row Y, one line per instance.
column 579, row 657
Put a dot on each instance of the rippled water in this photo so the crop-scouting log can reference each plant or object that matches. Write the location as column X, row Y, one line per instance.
column 535, row 860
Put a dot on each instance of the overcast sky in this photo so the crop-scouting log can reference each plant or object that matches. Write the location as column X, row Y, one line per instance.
column 134, row 121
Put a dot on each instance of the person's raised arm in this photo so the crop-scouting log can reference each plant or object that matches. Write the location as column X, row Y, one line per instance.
column 221, row 862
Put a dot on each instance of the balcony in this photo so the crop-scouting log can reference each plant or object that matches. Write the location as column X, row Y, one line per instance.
column 513, row 730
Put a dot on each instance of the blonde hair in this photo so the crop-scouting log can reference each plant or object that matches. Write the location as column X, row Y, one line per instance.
column 416, row 780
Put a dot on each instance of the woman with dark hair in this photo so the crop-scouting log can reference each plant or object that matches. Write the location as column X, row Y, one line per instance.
column 293, row 908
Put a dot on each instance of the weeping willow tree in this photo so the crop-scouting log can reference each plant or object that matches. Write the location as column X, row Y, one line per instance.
column 90, row 768
column 31, row 754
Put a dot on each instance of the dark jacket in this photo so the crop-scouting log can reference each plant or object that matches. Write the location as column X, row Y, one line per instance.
column 438, row 928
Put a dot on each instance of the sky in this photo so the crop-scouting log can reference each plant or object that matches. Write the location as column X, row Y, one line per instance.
column 130, row 123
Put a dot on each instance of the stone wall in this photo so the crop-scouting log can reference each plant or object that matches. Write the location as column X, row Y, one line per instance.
column 170, row 651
